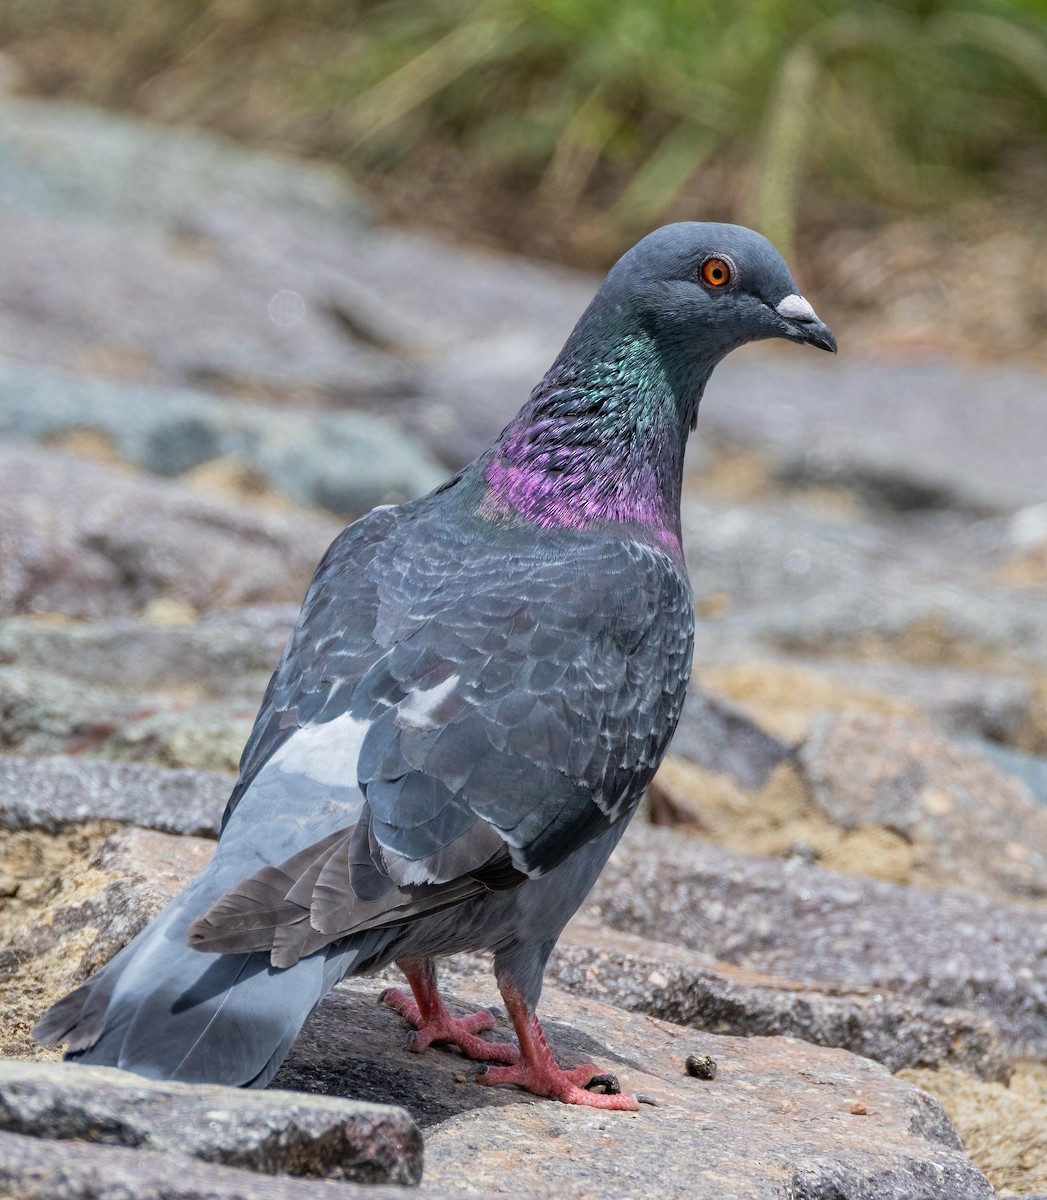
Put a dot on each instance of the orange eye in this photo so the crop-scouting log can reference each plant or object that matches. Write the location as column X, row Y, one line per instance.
column 716, row 272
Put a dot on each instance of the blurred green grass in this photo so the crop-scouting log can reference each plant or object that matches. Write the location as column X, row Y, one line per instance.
column 568, row 126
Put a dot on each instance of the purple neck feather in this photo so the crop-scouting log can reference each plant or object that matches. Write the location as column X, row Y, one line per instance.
column 595, row 445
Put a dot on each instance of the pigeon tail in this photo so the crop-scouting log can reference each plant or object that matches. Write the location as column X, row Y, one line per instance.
column 163, row 1010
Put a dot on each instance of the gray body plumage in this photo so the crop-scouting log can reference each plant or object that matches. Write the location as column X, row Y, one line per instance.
column 479, row 688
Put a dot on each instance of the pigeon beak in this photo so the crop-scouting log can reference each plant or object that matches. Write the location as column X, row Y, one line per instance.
column 804, row 325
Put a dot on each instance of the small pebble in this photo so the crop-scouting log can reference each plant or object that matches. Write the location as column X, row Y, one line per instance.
column 858, row 1109
column 701, row 1066
column 460, row 1079
column 802, row 853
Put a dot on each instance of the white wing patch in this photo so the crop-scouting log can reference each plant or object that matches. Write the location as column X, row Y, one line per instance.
column 419, row 707
column 326, row 753
column 405, row 871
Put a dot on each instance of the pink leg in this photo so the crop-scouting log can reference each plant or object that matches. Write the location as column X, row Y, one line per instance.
column 537, row 1070
column 434, row 1024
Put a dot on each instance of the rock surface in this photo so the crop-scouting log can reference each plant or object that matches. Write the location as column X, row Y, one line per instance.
column 51, row 794
column 719, row 738
column 71, row 902
column 786, row 693
column 72, row 160
column 970, row 822
column 867, row 1010
column 951, row 948
column 344, row 462
column 136, row 872
column 214, row 655
column 906, row 435
column 788, row 579
column 132, row 540
column 33, row 1169
column 273, row 1132
column 1030, row 769
column 698, row 1142
column 45, row 713
column 675, row 984
column 797, row 1095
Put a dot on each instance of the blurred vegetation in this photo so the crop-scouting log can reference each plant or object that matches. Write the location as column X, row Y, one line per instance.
column 567, row 126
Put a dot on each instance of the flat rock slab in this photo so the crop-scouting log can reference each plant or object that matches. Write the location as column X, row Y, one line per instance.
column 44, row 714
column 136, row 871
column 33, row 1169
column 70, row 160
column 86, row 540
column 777, row 576
column 777, row 1120
column 687, row 988
column 223, row 265
column 219, row 654
column 784, row 693
column 345, row 462
column 969, row 820
column 274, row 1132
column 779, row 1113
column 477, row 1138
column 910, row 435
column 116, row 300
column 820, row 927
column 54, row 793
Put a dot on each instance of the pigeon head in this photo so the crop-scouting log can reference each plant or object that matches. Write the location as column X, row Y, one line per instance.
column 601, row 440
column 701, row 290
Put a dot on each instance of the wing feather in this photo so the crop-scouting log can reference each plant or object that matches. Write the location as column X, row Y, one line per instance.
column 516, row 697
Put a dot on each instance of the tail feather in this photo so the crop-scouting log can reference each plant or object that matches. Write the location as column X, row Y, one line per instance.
column 166, row 1011
column 222, row 1024
column 79, row 1018
column 263, row 912
column 169, row 1011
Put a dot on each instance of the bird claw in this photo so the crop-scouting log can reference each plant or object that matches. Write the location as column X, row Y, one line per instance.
column 547, row 1079
column 604, row 1084
column 441, row 1028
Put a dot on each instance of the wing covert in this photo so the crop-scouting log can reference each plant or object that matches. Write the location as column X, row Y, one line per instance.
column 513, row 697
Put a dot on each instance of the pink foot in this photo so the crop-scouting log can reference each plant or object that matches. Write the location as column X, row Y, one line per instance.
column 538, row 1072
column 567, row 1086
column 433, row 1023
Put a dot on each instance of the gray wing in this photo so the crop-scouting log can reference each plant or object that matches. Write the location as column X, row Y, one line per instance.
column 462, row 710
column 332, row 644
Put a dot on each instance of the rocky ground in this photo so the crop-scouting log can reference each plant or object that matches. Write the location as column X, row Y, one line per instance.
column 209, row 359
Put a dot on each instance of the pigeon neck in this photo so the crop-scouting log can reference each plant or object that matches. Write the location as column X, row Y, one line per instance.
column 600, row 441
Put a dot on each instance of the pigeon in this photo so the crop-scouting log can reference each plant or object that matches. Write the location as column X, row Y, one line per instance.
column 479, row 688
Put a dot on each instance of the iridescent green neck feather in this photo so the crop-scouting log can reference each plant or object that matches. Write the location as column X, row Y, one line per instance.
column 601, row 440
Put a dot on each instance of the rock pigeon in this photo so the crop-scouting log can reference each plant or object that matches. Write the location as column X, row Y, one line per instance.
column 479, row 688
